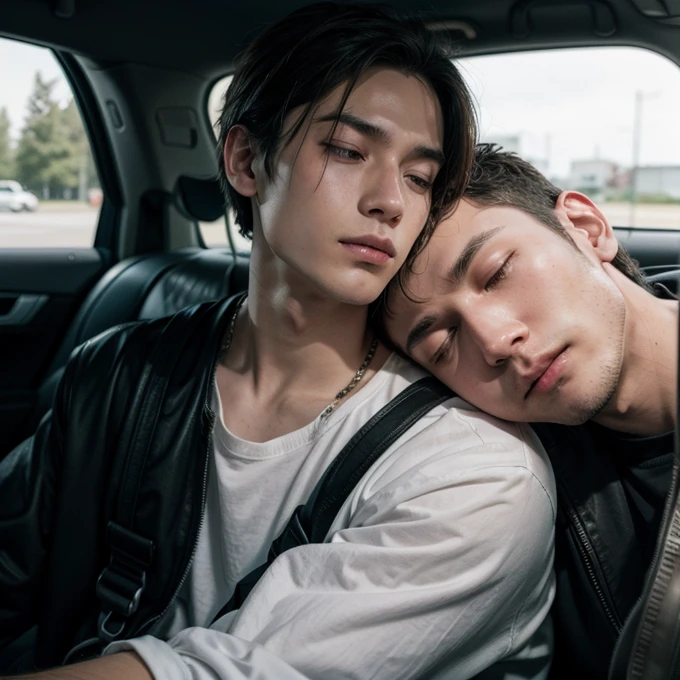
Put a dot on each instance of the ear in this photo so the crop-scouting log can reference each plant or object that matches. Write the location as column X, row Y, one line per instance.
column 239, row 159
column 586, row 225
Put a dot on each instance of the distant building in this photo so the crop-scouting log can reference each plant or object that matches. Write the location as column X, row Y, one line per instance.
column 658, row 181
column 623, row 179
column 593, row 176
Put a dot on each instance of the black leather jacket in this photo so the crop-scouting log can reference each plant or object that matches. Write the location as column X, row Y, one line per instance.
column 143, row 384
column 610, row 496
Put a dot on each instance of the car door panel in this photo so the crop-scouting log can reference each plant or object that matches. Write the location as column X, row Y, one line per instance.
column 40, row 292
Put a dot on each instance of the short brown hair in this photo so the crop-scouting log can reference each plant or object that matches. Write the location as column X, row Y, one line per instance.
column 502, row 178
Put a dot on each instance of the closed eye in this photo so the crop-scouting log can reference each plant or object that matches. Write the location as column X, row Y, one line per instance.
column 500, row 273
column 445, row 347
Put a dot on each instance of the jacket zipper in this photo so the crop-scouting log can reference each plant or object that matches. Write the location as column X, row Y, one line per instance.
column 587, row 553
column 144, row 627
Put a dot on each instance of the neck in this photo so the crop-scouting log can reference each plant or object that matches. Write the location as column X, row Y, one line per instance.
column 298, row 332
column 292, row 338
column 646, row 395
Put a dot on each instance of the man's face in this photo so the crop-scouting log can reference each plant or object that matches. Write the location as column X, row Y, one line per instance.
column 514, row 318
column 342, row 214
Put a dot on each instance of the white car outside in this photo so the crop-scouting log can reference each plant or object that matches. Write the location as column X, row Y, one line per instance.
column 15, row 198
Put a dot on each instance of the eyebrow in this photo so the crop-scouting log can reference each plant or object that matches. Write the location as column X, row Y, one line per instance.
column 455, row 275
column 378, row 134
column 473, row 246
column 418, row 332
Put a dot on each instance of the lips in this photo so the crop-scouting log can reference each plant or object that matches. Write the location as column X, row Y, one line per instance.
column 546, row 371
column 384, row 245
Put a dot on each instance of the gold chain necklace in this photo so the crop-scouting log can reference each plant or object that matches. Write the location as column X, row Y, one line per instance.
column 343, row 392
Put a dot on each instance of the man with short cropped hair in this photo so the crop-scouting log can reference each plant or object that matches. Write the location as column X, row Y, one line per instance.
column 524, row 303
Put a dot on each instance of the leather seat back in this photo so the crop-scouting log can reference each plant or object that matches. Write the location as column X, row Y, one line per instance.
column 146, row 287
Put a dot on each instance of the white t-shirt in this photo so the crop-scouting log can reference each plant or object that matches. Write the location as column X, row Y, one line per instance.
column 438, row 565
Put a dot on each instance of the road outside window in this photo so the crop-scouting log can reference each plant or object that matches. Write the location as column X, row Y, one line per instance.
column 50, row 194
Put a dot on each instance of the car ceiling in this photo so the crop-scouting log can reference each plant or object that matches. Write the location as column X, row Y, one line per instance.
column 203, row 36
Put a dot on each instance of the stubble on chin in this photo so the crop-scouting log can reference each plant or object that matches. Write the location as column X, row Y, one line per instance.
column 603, row 388
column 598, row 398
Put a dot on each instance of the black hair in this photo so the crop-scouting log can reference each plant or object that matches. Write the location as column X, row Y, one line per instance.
column 299, row 59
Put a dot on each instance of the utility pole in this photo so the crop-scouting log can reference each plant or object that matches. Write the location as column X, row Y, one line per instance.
column 637, row 134
column 82, row 177
column 640, row 96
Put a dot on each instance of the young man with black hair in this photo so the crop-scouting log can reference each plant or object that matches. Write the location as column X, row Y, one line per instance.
column 524, row 303
column 345, row 135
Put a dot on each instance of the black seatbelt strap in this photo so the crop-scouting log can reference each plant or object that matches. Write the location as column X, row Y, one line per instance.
column 312, row 521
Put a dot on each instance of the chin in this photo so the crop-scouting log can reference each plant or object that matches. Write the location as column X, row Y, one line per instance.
column 356, row 290
column 572, row 414
column 357, row 298
column 570, row 419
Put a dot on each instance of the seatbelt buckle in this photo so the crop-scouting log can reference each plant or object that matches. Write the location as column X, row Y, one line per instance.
column 121, row 584
column 120, row 587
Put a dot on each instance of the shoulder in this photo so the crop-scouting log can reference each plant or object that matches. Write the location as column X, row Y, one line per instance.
column 456, row 438
column 185, row 333
column 107, row 368
column 130, row 341
column 456, row 445
column 101, row 375
column 463, row 476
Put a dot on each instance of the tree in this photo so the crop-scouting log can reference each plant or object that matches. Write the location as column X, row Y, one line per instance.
column 6, row 155
column 37, row 146
column 70, row 151
column 53, row 153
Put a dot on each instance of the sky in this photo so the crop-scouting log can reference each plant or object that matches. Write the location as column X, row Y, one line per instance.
column 579, row 104
column 563, row 105
column 19, row 63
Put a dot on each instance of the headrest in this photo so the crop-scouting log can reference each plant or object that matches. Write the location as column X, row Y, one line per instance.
column 200, row 199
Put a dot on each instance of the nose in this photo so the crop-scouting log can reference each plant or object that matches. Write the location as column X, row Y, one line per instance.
column 383, row 198
column 498, row 336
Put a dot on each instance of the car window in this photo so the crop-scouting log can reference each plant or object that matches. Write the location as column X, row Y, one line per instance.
column 50, row 193
column 602, row 121
column 596, row 120
column 215, row 233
